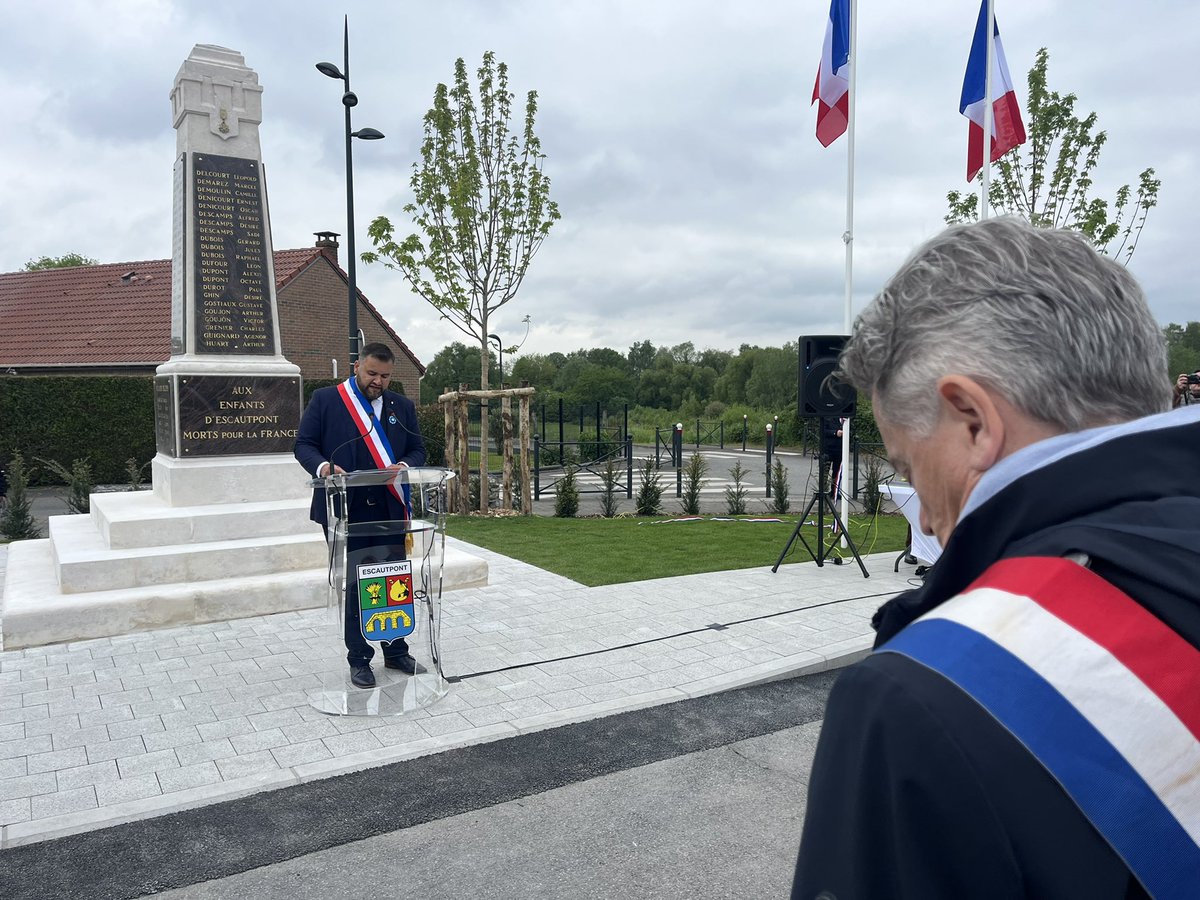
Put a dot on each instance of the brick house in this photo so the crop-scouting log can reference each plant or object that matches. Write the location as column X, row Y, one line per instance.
column 115, row 318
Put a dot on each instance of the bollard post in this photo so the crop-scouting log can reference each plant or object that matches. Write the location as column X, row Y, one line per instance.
column 628, row 466
column 678, row 459
column 743, row 432
column 770, row 451
column 537, row 468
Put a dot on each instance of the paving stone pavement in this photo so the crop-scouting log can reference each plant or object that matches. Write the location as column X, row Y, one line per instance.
column 100, row 732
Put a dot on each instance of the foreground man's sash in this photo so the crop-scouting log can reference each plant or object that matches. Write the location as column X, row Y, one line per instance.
column 372, row 432
column 1104, row 694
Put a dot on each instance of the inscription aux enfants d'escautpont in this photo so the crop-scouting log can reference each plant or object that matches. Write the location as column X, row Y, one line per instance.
column 231, row 414
column 233, row 301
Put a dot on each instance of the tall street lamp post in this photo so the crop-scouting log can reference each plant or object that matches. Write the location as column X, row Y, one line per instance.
column 350, row 100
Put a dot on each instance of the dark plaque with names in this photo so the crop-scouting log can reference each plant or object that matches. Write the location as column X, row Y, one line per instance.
column 224, row 415
column 233, row 294
column 164, row 415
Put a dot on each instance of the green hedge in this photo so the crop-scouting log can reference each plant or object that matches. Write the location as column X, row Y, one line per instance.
column 103, row 419
column 432, row 422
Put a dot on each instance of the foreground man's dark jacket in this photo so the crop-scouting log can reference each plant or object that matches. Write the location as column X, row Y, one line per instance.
column 916, row 791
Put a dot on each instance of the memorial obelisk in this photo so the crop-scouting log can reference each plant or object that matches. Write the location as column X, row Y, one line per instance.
column 225, row 533
column 227, row 402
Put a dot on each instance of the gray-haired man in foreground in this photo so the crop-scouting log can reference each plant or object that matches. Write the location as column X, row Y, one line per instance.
column 1028, row 723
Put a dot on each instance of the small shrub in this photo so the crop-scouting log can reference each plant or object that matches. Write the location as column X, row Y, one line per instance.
column 566, row 496
column 779, row 488
column 736, row 493
column 135, row 474
column 693, row 478
column 16, row 521
column 79, row 482
column 872, row 496
column 647, row 498
column 608, row 495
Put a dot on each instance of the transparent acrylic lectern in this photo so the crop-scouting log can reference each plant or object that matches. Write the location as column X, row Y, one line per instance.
column 390, row 573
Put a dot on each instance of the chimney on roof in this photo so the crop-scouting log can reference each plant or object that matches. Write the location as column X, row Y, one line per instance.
column 327, row 243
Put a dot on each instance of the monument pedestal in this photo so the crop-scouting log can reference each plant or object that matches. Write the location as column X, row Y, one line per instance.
column 137, row 562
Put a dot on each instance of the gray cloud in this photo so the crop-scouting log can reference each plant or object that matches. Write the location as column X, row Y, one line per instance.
column 698, row 205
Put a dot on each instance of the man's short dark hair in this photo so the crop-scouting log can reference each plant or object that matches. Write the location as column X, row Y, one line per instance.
column 381, row 352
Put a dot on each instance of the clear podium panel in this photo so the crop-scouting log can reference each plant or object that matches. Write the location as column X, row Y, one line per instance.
column 385, row 584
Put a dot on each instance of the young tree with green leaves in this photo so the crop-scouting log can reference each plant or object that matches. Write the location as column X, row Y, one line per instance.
column 481, row 203
column 1048, row 180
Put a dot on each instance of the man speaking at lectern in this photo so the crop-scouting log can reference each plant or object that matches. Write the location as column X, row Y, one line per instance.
column 357, row 425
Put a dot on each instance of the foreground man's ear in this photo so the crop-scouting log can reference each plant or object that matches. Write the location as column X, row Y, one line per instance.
column 977, row 419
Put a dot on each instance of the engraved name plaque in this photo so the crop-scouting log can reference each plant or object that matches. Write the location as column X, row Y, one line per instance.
column 233, row 296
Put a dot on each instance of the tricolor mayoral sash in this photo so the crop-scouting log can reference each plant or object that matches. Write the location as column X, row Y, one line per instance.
column 372, row 433
column 1104, row 694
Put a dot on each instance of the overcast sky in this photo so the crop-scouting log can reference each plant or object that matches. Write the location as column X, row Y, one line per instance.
column 697, row 204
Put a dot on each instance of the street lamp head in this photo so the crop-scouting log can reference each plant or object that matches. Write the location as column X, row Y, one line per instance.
column 329, row 69
column 367, row 134
column 349, row 99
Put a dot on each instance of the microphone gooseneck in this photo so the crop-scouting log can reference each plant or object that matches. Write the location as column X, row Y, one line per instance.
column 338, row 449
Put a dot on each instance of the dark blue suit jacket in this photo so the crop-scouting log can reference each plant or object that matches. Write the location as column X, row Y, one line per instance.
column 326, row 430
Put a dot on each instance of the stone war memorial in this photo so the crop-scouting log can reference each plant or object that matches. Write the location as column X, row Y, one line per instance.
column 225, row 531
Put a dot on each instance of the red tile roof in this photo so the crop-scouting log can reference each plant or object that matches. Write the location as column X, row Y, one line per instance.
column 111, row 314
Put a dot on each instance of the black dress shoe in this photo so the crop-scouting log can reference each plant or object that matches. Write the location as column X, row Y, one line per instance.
column 405, row 663
column 362, row 676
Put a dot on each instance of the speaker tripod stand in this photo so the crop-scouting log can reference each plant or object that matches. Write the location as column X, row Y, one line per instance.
column 821, row 500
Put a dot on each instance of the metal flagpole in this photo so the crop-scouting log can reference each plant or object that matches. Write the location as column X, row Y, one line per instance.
column 987, row 111
column 848, row 237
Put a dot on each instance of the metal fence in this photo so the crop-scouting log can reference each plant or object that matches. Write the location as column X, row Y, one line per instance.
column 589, row 459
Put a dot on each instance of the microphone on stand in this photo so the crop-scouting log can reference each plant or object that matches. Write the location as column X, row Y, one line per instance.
column 344, row 444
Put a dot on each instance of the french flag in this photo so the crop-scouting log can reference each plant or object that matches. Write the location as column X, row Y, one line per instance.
column 1007, row 130
column 833, row 78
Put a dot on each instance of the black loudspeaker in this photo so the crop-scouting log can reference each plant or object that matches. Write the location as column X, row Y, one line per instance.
column 819, row 394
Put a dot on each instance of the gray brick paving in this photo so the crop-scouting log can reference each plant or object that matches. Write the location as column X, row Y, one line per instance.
column 98, row 732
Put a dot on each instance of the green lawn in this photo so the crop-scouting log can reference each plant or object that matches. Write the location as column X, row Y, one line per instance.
column 597, row 551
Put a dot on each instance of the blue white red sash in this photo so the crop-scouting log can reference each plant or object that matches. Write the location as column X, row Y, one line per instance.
column 372, row 433
column 1104, row 694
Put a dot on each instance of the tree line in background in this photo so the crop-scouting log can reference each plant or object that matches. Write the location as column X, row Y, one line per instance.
column 679, row 379
column 681, row 383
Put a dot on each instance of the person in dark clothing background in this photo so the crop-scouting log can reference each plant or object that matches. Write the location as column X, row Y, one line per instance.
column 1027, row 726
column 831, row 447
